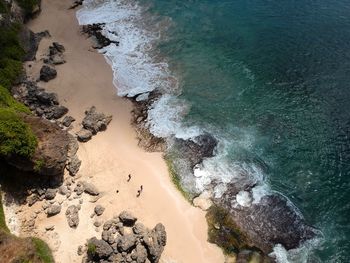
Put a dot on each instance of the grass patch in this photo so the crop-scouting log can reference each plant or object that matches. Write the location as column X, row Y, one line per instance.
column 16, row 137
column 176, row 179
column 7, row 101
column 42, row 250
column 38, row 164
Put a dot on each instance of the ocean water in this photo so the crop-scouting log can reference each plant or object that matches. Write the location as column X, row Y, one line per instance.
column 270, row 79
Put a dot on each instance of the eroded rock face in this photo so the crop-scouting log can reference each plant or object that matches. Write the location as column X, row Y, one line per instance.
column 195, row 150
column 51, row 153
column 53, row 209
column 139, row 245
column 273, row 220
column 94, row 121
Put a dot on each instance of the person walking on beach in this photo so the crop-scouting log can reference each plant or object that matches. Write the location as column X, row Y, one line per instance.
column 139, row 191
column 129, row 178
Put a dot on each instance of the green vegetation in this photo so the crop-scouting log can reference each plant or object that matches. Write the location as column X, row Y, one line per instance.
column 28, row 6
column 3, row 7
column 7, row 101
column 91, row 249
column 38, row 165
column 176, row 179
column 16, row 138
column 11, row 55
column 224, row 232
column 43, row 251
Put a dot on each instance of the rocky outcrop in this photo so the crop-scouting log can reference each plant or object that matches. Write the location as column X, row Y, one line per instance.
column 94, row 121
column 51, row 153
column 55, row 54
column 42, row 103
column 53, row 209
column 84, row 135
column 273, row 220
column 47, row 73
column 95, row 32
column 196, row 149
column 119, row 244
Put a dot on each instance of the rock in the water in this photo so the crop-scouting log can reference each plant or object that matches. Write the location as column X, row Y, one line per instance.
column 73, row 165
column 99, row 249
column 127, row 218
column 72, row 214
column 53, row 209
column 47, row 73
column 50, row 194
column 155, row 242
column 94, row 121
column 99, row 209
column 90, row 189
column 84, row 135
column 67, row 121
column 126, row 243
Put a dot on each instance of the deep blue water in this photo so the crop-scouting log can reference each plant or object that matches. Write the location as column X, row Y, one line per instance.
column 279, row 71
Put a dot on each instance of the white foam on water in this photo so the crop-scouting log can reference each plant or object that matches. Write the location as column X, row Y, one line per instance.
column 280, row 254
column 243, row 198
column 135, row 70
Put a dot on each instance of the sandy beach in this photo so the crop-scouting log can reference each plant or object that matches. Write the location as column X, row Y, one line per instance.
column 107, row 159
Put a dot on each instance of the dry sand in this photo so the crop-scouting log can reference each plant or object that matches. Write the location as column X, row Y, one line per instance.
column 107, row 159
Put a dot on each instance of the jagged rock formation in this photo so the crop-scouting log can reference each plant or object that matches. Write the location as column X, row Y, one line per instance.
column 119, row 244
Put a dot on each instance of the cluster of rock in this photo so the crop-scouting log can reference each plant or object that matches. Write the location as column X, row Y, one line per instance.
column 42, row 103
column 76, row 3
column 123, row 239
column 55, row 54
column 93, row 123
column 94, row 31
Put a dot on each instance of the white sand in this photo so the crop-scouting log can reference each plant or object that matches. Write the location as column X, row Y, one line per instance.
column 86, row 80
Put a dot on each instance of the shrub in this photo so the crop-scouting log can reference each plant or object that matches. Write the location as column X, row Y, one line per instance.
column 16, row 137
column 43, row 251
column 7, row 101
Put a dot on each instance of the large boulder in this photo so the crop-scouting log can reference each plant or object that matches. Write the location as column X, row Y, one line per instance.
column 127, row 218
column 94, row 121
column 53, row 209
column 126, row 243
column 273, row 220
column 155, row 242
column 99, row 249
column 90, row 189
column 51, row 153
column 72, row 215
column 84, row 135
column 73, row 165
column 47, row 73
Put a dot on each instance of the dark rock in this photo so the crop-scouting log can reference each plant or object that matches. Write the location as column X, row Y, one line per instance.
column 139, row 229
column 29, row 43
column 47, row 98
column 63, row 190
column 47, row 73
column 76, row 4
column 53, row 209
column 102, row 250
column 73, row 165
column 43, row 34
column 273, row 220
column 127, row 243
column 50, row 194
column 56, row 59
column 94, row 121
column 72, row 215
column 84, row 135
column 155, row 242
column 59, row 47
column 195, row 150
column 99, row 209
column 127, row 218
column 67, row 121
column 56, row 112
column 32, row 199
column 95, row 30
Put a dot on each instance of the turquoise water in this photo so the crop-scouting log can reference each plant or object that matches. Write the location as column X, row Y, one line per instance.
column 268, row 78
column 280, row 72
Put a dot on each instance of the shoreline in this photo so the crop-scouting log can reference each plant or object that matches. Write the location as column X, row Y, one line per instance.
column 86, row 80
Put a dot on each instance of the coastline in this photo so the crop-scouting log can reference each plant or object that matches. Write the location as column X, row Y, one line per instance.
column 86, row 80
